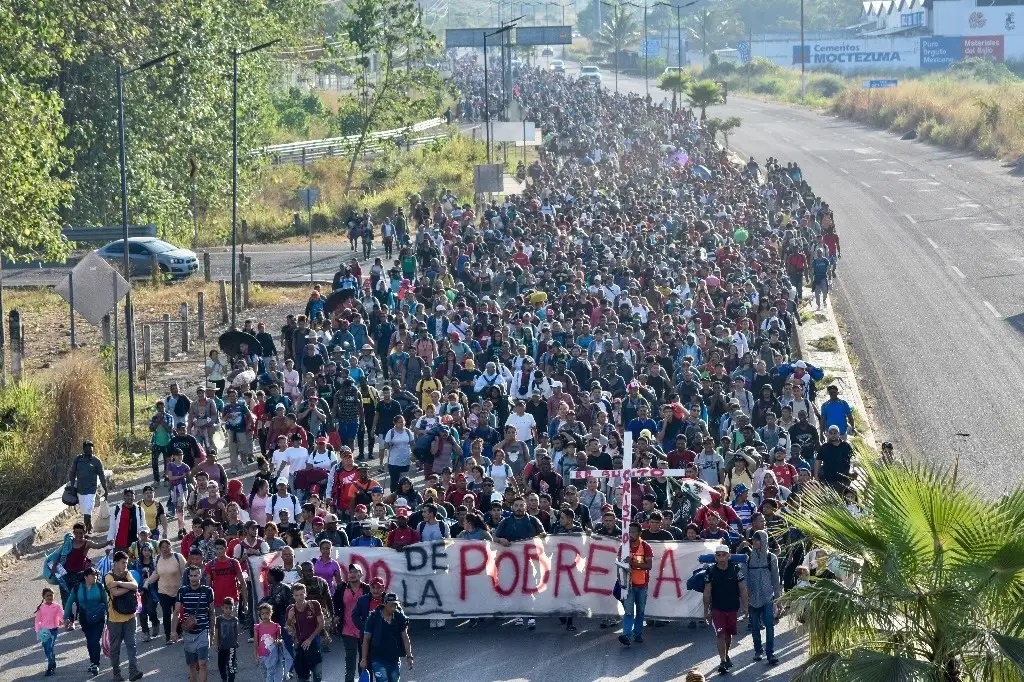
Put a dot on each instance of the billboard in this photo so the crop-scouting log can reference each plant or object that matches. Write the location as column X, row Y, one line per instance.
column 847, row 52
column 984, row 47
column 543, row 35
column 469, row 37
column 938, row 52
column 969, row 19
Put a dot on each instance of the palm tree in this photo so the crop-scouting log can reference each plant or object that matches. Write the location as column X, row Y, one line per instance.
column 677, row 82
column 618, row 33
column 934, row 584
column 704, row 94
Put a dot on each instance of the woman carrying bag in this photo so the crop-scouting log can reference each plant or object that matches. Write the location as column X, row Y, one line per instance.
column 89, row 600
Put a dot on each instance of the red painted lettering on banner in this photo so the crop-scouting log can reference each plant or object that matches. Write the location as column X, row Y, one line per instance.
column 466, row 569
column 566, row 564
column 378, row 569
column 592, row 569
column 668, row 573
column 505, row 557
column 533, row 552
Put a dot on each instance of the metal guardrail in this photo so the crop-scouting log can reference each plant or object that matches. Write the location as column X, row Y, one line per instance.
column 106, row 234
column 303, row 152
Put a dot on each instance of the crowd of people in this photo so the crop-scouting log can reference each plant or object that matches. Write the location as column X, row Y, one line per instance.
column 643, row 283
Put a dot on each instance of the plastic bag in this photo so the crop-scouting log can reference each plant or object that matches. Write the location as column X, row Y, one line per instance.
column 105, row 641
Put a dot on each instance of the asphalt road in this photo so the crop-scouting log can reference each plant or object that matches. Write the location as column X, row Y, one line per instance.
column 929, row 283
column 289, row 262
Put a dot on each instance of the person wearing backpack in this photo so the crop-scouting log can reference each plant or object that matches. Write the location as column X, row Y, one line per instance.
column 764, row 587
column 121, row 620
column 386, row 641
column 168, row 577
column 725, row 597
column 89, row 599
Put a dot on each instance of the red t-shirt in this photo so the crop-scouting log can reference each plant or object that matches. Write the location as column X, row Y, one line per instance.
column 678, row 459
column 785, row 474
column 724, row 511
column 401, row 537
column 831, row 240
column 221, row 574
column 797, row 261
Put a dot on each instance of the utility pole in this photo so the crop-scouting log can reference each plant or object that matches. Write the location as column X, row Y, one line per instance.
column 803, row 55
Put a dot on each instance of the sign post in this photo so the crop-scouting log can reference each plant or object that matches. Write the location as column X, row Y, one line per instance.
column 878, row 83
column 309, row 196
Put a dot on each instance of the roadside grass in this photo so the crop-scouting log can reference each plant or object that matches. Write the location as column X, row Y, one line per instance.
column 43, row 421
column 974, row 105
column 826, row 344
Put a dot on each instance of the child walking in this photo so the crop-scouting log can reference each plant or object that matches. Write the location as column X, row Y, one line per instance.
column 267, row 649
column 225, row 638
column 49, row 616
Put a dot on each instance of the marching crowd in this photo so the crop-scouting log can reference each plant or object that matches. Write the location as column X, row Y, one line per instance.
column 643, row 283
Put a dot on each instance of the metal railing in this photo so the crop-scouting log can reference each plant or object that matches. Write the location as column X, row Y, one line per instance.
column 310, row 150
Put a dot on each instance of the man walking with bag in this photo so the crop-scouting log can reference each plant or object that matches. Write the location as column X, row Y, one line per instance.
column 640, row 560
column 121, row 622
column 85, row 476
column 764, row 587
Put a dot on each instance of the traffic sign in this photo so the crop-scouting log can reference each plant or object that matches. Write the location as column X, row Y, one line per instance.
column 881, row 83
column 650, row 47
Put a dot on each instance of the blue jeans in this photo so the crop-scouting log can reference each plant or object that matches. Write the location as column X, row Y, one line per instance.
column 386, row 672
column 49, row 646
column 763, row 615
column 635, row 604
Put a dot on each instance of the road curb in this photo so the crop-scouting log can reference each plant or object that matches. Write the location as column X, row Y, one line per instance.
column 837, row 363
column 21, row 535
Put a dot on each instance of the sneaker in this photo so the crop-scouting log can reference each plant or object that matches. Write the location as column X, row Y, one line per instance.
column 723, row 669
column 772, row 660
column 146, row 637
column 604, row 624
column 728, row 660
column 625, row 641
column 137, row 675
column 571, row 628
column 518, row 622
column 758, row 656
column 94, row 670
column 639, row 639
column 250, row 640
column 49, row 672
column 531, row 624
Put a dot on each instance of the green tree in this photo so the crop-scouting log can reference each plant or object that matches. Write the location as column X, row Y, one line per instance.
column 32, row 159
column 727, row 126
column 935, row 579
column 619, row 32
column 703, row 94
column 676, row 82
column 400, row 86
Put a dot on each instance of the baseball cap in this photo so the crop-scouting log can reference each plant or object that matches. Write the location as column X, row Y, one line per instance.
column 401, row 503
column 739, row 488
column 377, row 581
column 721, row 548
column 377, row 489
column 361, row 507
column 390, row 598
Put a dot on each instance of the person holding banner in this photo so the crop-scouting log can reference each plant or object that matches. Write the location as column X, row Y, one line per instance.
column 638, row 563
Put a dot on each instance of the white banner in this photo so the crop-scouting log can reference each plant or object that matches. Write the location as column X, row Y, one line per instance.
column 554, row 576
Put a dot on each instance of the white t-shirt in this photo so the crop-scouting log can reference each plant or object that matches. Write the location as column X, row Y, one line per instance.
column 296, row 459
column 320, row 460
column 500, row 473
column 524, row 426
column 277, row 459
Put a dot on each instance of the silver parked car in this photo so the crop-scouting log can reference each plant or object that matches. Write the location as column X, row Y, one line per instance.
column 172, row 260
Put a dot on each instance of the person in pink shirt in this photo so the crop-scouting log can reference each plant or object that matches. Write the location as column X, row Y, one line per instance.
column 49, row 617
column 346, row 597
column 268, row 646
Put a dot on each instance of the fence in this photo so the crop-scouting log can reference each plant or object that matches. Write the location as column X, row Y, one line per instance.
column 310, row 150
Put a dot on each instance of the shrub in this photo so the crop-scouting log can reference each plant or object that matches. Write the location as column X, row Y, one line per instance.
column 825, row 85
column 768, row 86
column 42, row 425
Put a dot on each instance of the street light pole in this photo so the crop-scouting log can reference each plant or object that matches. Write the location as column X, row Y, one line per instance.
column 235, row 54
column 487, row 98
column 129, row 313
column 803, row 55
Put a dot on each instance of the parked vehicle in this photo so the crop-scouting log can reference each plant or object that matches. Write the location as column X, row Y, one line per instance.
column 171, row 260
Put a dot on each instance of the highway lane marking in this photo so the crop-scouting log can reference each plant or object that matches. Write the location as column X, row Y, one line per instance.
column 823, row 159
column 992, row 309
column 804, row 148
column 865, row 184
column 958, row 272
column 845, row 171
column 910, row 218
column 893, row 172
column 887, row 199
column 786, row 139
column 932, row 243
